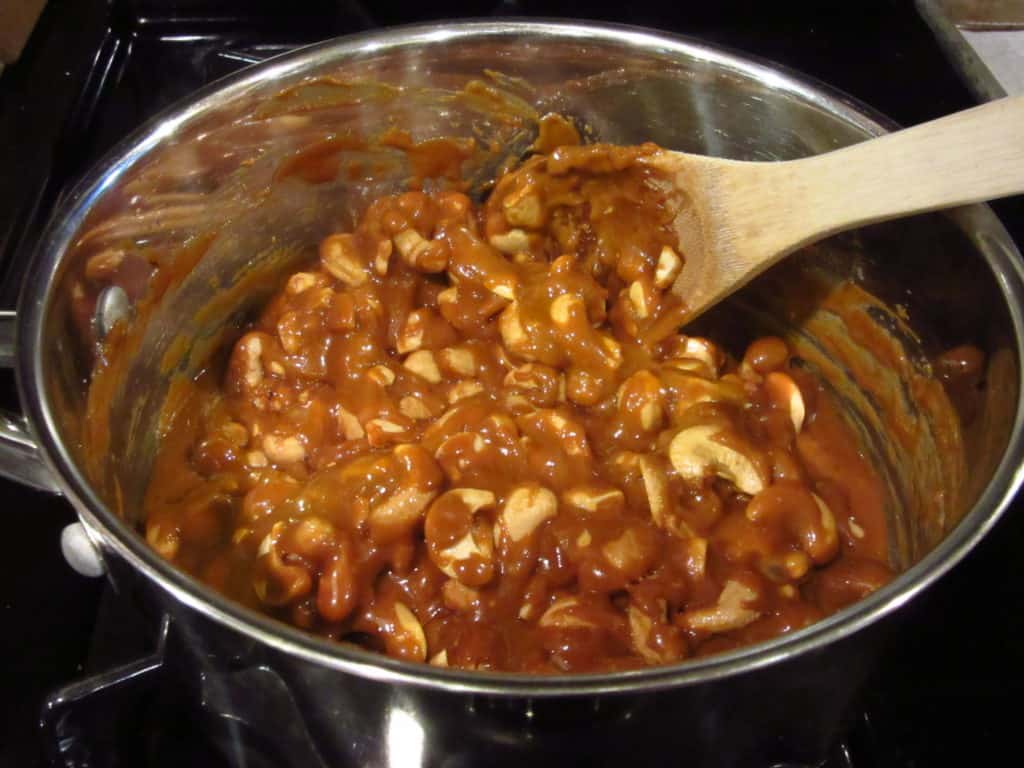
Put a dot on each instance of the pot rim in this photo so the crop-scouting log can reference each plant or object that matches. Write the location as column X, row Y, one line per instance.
column 118, row 537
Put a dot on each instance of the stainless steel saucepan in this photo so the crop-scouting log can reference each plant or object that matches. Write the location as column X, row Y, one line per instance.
column 198, row 192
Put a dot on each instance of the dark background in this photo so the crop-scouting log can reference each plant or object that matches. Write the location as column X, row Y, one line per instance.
column 949, row 689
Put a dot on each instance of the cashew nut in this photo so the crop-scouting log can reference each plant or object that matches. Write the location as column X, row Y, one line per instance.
column 784, row 392
column 656, row 488
column 696, row 557
column 458, row 597
column 690, row 390
column 687, row 365
column 474, row 498
column 277, row 582
column 349, row 424
column 410, row 338
column 311, row 537
column 568, row 312
column 166, row 543
column 399, row 511
column 479, row 263
column 642, row 298
column 667, row 269
column 458, row 361
column 235, row 433
column 570, row 434
column 640, row 394
column 828, row 522
column 695, row 452
column 458, row 453
column 448, row 296
column 511, row 328
column 239, row 535
column 463, row 390
column 414, row 408
column 383, row 431
column 510, row 243
column 527, row 376
column 803, row 514
column 283, row 450
column 640, row 629
column 543, row 385
column 416, row 251
column 256, row 459
column 593, row 499
column 526, row 507
column 457, row 509
column 696, row 348
column 516, row 403
column 252, row 352
column 340, row 257
column 523, row 208
column 563, row 614
column 628, row 553
column 422, row 363
column 382, row 257
column 563, row 307
column 728, row 613
column 382, row 375
column 300, row 282
column 413, row 631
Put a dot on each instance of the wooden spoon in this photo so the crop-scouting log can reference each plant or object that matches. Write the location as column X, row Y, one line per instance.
column 746, row 216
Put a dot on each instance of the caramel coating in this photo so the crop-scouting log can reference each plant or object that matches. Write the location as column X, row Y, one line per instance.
column 475, row 437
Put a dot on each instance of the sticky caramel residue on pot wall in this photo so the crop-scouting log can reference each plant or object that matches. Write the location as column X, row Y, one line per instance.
column 877, row 368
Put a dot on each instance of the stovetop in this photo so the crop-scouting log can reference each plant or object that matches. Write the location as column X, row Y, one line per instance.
column 948, row 688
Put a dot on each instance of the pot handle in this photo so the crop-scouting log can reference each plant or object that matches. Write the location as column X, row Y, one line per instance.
column 20, row 458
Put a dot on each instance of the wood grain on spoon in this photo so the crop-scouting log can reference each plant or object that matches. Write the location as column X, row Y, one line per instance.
column 746, row 216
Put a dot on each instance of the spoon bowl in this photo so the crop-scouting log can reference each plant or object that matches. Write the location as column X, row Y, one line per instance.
column 743, row 217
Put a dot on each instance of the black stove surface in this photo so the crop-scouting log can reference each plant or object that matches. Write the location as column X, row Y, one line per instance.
column 948, row 690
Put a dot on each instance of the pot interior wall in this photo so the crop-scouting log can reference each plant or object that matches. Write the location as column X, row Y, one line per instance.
column 211, row 208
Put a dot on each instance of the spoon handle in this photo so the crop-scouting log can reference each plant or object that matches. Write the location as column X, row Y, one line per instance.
column 966, row 157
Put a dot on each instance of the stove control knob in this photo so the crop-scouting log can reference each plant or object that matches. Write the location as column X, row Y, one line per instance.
column 81, row 554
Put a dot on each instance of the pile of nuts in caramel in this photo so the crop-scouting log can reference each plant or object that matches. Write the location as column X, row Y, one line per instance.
column 475, row 436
